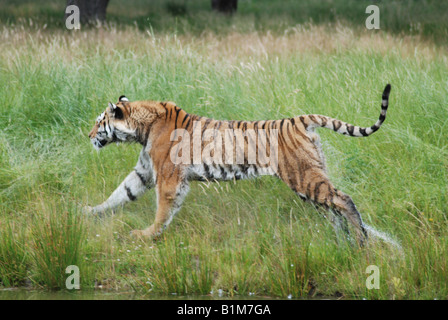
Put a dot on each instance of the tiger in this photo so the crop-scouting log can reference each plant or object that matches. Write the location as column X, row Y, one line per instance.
column 159, row 127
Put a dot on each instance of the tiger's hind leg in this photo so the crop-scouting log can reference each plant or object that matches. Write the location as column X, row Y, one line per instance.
column 344, row 204
column 321, row 191
column 340, row 225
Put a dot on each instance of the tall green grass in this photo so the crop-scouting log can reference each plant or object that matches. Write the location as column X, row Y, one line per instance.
column 13, row 255
column 252, row 237
column 57, row 242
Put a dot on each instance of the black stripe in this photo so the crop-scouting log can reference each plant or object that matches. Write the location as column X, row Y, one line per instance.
column 312, row 118
column 142, row 178
column 292, row 138
column 218, row 125
column 129, row 193
column 185, row 118
column 255, row 170
column 207, row 122
column 336, row 127
column 207, row 172
column 177, row 115
column 166, row 110
column 363, row 132
column 243, row 168
column 386, row 91
column 324, row 121
column 308, row 190
column 188, row 123
column 223, row 173
column 302, row 119
column 317, row 189
column 350, row 129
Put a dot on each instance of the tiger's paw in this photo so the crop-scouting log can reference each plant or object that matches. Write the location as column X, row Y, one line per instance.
column 87, row 210
column 96, row 212
column 147, row 234
column 141, row 234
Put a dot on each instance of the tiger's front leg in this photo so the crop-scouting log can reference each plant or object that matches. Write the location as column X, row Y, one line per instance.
column 133, row 186
column 170, row 196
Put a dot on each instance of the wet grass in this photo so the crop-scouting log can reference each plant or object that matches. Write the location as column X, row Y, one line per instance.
column 249, row 238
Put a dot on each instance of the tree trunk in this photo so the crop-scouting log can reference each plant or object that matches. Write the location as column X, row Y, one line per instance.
column 225, row 6
column 91, row 11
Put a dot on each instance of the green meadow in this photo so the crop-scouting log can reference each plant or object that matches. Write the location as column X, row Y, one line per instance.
column 249, row 238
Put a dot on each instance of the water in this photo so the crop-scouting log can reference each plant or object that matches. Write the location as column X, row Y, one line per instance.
column 27, row 294
column 383, row 236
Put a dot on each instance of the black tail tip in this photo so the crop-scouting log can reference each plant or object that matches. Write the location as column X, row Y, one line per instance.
column 386, row 91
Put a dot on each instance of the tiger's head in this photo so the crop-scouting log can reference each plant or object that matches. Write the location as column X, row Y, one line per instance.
column 113, row 125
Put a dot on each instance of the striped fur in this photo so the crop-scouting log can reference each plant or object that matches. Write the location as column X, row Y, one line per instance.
column 300, row 161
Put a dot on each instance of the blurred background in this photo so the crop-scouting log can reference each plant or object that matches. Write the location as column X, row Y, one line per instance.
column 428, row 18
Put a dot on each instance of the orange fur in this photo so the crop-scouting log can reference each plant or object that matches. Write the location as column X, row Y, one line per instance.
column 301, row 164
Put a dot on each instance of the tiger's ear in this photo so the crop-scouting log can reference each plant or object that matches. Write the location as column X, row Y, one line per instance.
column 117, row 112
column 112, row 107
column 123, row 99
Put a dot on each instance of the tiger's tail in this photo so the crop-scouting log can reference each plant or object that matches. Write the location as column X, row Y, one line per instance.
column 312, row 121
